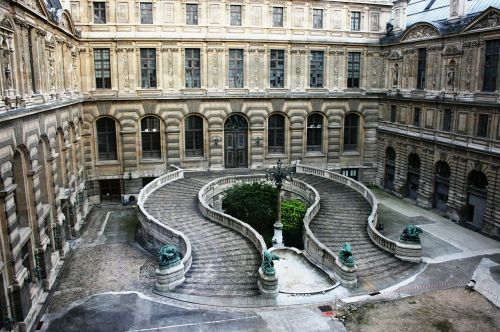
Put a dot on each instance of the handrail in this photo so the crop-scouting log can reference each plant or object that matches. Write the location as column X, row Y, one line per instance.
column 401, row 250
column 160, row 232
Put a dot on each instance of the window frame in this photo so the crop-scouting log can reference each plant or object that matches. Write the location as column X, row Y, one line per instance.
column 314, row 133
column 149, row 78
column 100, row 67
column 482, row 120
column 317, row 69
column 355, row 21
column 194, row 137
column 235, row 20
column 192, row 14
column 191, row 70
column 393, row 116
column 146, row 14
column 318, row 15
column 278, row 14
column 353, row 70
column 153, row 131
column 235, row 68
column 447, row 120
column 277, row 69
column 99, row 13
column 417, row 114
column 421, row 68
column 491, row 64
column 107, row 150
column 276, row 133
column 351, row 132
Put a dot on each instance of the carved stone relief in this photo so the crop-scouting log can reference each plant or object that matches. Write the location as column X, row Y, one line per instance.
column 395, row 75
column 489, row 21
column 257, row 16
column 168, row 13
column 336, row 19
column 75, row 11
column 214, row 13
column 421, row 32
column 122, row 12
column 468, row 71
column 298, row 17
column 170, row 69
column 434, row 72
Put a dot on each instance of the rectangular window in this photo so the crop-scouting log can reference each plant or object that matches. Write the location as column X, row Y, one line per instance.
column 235, row 15
column 236, row 68
column 102, row 68
column 192, row 68
column 317, row 18
column 422, row 64
column 353, row 67
column 491, row 65
column 277, row 16
column 277, row 69
column 482, row 125
column 416, row 116
column 191, row 14
column 99, row 12
column 351, row 173
column 316, row 69
column 447, row 120
column 394, row 110
column 146, row 13
column 355, row 21
column 148, row 68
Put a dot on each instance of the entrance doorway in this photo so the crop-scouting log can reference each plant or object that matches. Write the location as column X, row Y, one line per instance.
column 441, row 186
column 110, row 190
column 236, row 142
column 413, row 178
column 476, row 198
column 390, row 168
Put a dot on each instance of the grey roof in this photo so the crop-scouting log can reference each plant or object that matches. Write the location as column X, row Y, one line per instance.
column 438, row 10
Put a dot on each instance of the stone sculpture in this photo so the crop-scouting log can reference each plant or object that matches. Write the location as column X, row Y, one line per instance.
column 168, row 256
column 345, row 255
column 411, row 234
column 268, row 264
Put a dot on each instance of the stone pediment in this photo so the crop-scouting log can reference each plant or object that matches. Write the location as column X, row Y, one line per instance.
column 420, row 31
column 395, row 55
column 489, row 19
column 452, row 50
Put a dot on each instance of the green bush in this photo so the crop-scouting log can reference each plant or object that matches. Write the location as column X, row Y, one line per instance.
column 255, row 204
column 292, row 217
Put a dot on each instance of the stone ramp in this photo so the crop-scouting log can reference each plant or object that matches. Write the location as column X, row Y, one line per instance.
column 224, row 262
column 343, row 218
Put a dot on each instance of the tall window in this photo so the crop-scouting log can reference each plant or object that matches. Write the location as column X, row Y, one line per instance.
column 353, row 66
column 316, row 69
column 277, row 16
column 447, row 120
column 393, row 114
column 235, row 11
column 148, row 68
column 277, row 69
column 235, row 68
column 102, row 68
column 194, row 136
column 355, row 21
column 422, row 63
column 100, row 12
column 317, row 18
column 146, row 13
column 482, row 125
column 192, row 67
column 106, row 139
column 276, row 133
column 491, row 65
column 150, row 134
column 416, row 116
column 351, row 125
column 314, row 132
column 191, row 14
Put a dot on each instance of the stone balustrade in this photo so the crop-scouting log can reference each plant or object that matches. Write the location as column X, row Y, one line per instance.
column 156, row 232
column 404, row 251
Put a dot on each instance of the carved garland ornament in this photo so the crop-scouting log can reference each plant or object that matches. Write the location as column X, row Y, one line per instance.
column 421, row 33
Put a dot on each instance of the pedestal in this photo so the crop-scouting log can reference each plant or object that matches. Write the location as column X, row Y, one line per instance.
column 167, row 278
column 268, row 285
column 409, row 252
column 346, row 275
column 278, row 235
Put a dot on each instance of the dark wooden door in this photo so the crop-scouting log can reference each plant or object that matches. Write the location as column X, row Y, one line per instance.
column 235, row 148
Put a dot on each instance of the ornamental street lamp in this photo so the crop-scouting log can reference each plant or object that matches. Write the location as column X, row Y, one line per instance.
column 278, row 175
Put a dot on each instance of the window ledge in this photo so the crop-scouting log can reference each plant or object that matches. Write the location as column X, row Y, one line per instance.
column 194, row 158
column 107, row 162
column 315, row 154
column 351, row 153
column 151, row 161
column 276, row 155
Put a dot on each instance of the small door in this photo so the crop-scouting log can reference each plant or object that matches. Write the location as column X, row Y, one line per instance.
column 475, row 209
column 412, row 189
column 389, row 177
column 441, row 196
column 235, row 142
column 110, row 190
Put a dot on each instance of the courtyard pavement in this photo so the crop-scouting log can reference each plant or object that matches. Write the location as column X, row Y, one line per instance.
column 100, row 288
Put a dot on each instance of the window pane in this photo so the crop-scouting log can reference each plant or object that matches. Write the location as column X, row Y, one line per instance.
column 148, row 68
column 318, row 19
column 316, row 69
column 192, row 68
column 277, row 16
column 277, row 69
column 235, row 12
column 236, row 68
column 102, row 69
column 106, row 139
column 192, row 14
column 146, row 13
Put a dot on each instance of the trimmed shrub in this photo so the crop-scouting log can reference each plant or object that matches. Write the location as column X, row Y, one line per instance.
column 292, row 217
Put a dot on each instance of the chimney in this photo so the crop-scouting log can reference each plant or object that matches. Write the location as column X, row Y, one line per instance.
column 399, row 14
column 457, row 9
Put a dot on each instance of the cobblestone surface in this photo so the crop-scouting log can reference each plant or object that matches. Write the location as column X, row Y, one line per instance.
column 105, row 258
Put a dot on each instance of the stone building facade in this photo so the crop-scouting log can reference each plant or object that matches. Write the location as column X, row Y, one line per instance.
column 100, row 98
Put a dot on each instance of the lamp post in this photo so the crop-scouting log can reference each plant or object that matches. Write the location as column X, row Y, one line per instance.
column 278, row 175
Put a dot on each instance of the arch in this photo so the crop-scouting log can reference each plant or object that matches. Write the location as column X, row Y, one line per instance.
column 276, row 133
column 413, row 176
column 106, row 138
column 477, row 179
column 20, row 166
column 151, row 137
column 315, row 125
column 419, row 31
column 477, row 184
column 194, row 135
column 236, row 141
column 390, row 168
column 441, row 185
column 351, row 131
column 46, row 181
column 60, row 146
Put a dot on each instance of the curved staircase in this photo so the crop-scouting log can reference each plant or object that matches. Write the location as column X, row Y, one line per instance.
column 224, row 262
column 343, row 218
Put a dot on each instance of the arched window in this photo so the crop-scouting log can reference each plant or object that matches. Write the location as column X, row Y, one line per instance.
column 390, row 168
column 413, row 178
column 315, row 132
column 476, row 198
column 194, row 136
column 441, row 186
column 351, row 125
column 150, row 134
column 106, row 139
column 276, row 133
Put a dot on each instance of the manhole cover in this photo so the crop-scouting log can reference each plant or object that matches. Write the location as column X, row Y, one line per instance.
column 325, row 308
